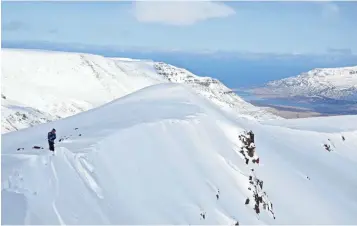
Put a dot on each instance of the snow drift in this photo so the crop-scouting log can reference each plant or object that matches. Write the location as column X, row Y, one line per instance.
column 149, row 158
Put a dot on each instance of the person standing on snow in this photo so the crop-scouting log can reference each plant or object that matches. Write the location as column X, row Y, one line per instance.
column 51, row 139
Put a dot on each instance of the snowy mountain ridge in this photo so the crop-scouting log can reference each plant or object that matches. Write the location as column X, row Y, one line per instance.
column 48, row 85
column 213, row 90
column 335, row 83
column 149, row 143
column 178, row 158
column 59, row 84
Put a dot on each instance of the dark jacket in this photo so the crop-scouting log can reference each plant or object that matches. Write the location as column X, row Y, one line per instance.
column 251, row 136
column 51, row 137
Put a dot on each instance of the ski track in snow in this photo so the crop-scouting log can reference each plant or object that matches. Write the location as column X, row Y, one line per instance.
column 56, row 193
column 81, row 167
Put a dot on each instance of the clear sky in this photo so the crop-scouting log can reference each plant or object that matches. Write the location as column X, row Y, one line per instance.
column 274, row 27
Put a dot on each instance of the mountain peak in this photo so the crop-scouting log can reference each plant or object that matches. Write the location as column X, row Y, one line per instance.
column 335, row 83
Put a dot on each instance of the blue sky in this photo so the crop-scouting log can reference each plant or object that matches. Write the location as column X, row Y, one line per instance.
column 274, row 27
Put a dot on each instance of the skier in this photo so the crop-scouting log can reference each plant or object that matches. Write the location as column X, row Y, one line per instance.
column 51, row 139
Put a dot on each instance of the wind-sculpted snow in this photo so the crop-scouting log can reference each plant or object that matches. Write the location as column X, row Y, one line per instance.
column 59, row 84
column 149, row 158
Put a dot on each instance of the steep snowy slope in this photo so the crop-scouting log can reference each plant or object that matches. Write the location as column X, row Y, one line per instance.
column 15, row 116
column 336, row 83
column 60, row 84
column 150, row 158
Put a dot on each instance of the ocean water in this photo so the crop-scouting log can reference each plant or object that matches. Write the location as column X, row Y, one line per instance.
column 274, row 101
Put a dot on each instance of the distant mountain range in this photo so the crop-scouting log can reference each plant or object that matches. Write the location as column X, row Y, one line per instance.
column 327, row 84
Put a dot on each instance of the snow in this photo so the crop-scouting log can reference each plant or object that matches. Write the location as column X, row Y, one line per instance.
column 336, row 83
column 331, row 124
column 215, row 91
column 149, row 158
column 60, row 84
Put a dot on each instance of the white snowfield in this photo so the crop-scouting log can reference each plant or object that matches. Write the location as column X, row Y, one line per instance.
column 60, row 84
column 165, row 155
column 336, row 83
column 48, row 85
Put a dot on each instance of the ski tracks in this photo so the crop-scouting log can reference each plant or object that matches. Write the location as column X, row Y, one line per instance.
column 84, row 169
column 56, row 194
column 80, row 166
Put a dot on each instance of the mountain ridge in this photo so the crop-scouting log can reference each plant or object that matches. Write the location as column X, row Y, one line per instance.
column 334, row 83
column 133, row 147
column 60, row 84
column 149, row 158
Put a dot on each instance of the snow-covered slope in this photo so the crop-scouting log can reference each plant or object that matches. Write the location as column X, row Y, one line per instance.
column 215, row 91
column 165, row 155
column 48, row 85
column 335, row 83
column 15, row 116
column 62, row 84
